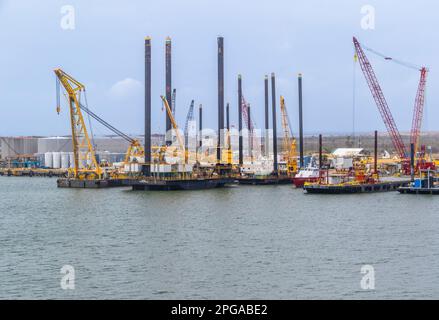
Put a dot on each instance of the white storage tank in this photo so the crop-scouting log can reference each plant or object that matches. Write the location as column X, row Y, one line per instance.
column 135, row 167
column 71, row 160
column 57, row 160
column 64, row 160
column 48, row 159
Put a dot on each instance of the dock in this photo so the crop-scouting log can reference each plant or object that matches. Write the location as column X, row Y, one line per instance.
column 356, row 188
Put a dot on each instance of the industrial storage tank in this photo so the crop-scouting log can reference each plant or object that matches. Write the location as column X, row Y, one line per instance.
column 57, row 160
column 54, row 144
column 71, row 160
column 64, row 160
column 48, row 159
column 14, row 146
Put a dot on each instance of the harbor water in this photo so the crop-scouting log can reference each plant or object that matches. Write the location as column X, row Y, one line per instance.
column 240, row 242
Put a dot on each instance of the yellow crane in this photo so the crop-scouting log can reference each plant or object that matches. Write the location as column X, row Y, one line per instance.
column 288, row 142
column 85, row 164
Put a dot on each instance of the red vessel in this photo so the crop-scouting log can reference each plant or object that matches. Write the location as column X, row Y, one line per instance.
column 309, row 174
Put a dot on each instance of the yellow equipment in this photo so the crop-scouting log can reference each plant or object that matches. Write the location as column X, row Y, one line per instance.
column 175, row 127
column 85, row 164
column 229, row 148
column 288, row 142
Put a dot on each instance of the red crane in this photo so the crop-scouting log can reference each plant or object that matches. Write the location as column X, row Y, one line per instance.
column 380, row 101
column 245, row 106
column 418, row 110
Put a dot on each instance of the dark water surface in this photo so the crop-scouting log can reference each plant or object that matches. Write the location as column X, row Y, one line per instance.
column 241, row 242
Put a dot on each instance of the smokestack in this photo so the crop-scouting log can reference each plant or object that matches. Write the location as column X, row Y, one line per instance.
column 168, row 71
column 250, row 138
column 267, row 125
column 200, row 123
column 227, row 117
column 240, row 118
column 147, row 146
column 229, row 138
column 300, row 122
column 376, row 153
column 320, row 151
column 412, row 162
column 320, row 156
column 220, row 97
column 273, row 104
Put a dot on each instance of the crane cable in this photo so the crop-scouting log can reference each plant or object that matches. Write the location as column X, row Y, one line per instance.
column 58, row 95
column 89, row 121
column 354, row 92
column 106, row 124
column 103, row 122
column 385, row 57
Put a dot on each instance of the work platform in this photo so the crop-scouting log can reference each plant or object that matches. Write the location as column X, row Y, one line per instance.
column 356, row 188
column 181, row 184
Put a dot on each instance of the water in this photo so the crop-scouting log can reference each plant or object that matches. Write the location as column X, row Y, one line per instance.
column 243, row 242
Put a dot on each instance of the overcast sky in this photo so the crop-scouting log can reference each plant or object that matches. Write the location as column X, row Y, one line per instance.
column 105, row 52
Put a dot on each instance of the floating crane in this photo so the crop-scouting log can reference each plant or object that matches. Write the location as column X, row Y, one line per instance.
column 289, row 143
column 85, row 163
column 384, row 109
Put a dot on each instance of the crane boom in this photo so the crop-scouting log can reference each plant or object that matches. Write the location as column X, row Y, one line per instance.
column 380, row 101
column 245, row 106
column 189, row 117
column 174, row 125
column 418, row 110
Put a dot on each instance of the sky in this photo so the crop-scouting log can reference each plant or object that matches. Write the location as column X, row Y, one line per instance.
column 105, row 51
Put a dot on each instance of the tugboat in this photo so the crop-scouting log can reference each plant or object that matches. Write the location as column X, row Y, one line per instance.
column 308, row 174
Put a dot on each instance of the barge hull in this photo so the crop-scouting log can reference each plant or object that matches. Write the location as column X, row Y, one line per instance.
column 173, row 185
column 349, row 189
column 409, row 190
column 91, row 184
column 265, row 181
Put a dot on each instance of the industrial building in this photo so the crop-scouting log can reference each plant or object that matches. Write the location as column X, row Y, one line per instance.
column 15, row 146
